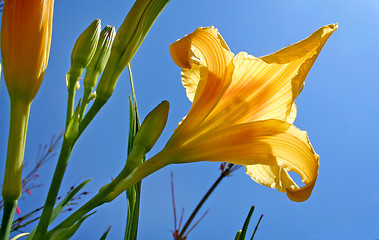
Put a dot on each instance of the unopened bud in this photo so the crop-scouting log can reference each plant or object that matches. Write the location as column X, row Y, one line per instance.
column 26, row 28
column 127, row 41
column 152, row 127
column 84, row 49
column 100, row 59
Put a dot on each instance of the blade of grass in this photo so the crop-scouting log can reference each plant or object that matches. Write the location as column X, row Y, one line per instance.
column 256, row 227
column 246, row 224
column 104, row 236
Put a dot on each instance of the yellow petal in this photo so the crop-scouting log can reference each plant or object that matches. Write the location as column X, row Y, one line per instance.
column 268, row 176
column 273, row 143
column 266, row 88
column 278, row 177
column 206, row 54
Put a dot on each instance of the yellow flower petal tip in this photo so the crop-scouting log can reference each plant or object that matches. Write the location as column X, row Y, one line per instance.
column 243, row 109
column 26, row 30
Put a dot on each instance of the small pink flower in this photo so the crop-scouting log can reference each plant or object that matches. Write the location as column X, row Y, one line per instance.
column 18, row 210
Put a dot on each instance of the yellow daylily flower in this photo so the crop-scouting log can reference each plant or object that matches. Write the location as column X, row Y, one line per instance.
column 26, row 29
column 243, row 109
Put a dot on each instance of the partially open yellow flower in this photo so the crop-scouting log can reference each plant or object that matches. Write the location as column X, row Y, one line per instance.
column 243, row 109
column 25, row 45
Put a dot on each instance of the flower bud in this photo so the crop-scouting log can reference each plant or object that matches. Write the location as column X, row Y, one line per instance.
column 25, row 45
column 83, row 51
column 127, row 41
column 100, row 59
column 238, row 235
column 152, row 127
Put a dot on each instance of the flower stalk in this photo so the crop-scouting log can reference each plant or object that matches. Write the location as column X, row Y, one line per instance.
column 60, row 169
column 26, row 29
column 12, row 184
column 8, row 214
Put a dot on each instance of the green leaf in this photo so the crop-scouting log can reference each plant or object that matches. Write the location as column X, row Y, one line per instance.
column 61, row 205
column 238, row 235
column 132, row 128
column 133, row 197
column 256, row 227
column 246, row 224
column 66, row 233
column 19, row 236
column 133, row 193
column 105, row 233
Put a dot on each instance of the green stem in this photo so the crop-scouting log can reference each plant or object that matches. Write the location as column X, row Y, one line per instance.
column 70, row 103
column 12, row 184
column 86, row 95
column 8, row 214
column 94, row 109
column 60, row 169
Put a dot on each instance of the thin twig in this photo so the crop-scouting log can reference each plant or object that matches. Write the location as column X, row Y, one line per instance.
column 201, row 218
column 173, row 199
column 225, row 171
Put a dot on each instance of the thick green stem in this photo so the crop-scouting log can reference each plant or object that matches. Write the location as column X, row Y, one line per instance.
column 12, row 184
column 60, row 169
column 8, row 214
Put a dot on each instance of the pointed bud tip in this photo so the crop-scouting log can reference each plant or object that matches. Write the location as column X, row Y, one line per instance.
column 153, row 125
column 100, row 57
column 84, row 48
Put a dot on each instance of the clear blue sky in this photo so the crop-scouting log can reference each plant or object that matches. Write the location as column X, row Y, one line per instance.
column 338, row 108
